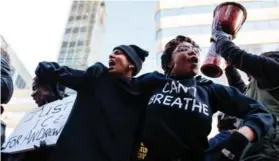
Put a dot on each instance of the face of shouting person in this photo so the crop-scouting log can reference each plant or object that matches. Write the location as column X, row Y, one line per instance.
column 119, row 64
column 185, row 60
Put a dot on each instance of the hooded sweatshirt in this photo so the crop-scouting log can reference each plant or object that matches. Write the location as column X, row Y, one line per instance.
column 179, row 114
column 105, row 121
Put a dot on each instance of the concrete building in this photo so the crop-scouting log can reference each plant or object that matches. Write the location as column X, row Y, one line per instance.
column 20, row 103
column 21, row 77
column 259, row 33
column 84, row 32
column 194, row 18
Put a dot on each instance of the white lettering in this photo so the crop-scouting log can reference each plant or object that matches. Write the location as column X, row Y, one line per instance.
column 173, row 87
column 151, row 99
column 197, row 104
column 167, row 100
column 178, row 102
column 181, row 86
column 165, row 88
column 158, row 98
column 187, row 102
column 205, row 109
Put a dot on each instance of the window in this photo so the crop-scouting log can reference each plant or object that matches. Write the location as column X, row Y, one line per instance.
column 88, row 6
column 71, row 18
column 209, row 9
column 78, row 18
column 74, row 7
column 68, row 30
column 72, row 44
column 75, row 30
column 64, row 44
column 87, row 43
column 80, row 43
column 83, row 29
column 81, row 6
column 85, row 17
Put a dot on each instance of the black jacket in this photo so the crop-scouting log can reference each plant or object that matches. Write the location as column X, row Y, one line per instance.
column 264, row 69
column 7, row 87
column 106, row 119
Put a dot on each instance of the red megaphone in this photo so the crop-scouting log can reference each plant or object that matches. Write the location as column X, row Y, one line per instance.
column 231, row 16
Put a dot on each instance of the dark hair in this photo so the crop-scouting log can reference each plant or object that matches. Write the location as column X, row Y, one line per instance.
column 37, row 82
column 169, row 48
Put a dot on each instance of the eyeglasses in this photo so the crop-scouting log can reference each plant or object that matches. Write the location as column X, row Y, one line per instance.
column 186, row 48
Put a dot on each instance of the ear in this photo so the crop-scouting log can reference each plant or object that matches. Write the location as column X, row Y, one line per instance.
column 131, row 67
column 170, row 64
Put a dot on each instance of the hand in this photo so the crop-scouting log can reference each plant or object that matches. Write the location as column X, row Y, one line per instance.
column 45, row 71
column 229, row 149
column 218, row 33
column 42, row 145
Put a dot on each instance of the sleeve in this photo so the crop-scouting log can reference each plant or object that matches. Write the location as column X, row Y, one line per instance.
column 234, row 79
column 146, row 83
column 231, row 102
column 52, row 73
column 260, row 67
column 7, row 87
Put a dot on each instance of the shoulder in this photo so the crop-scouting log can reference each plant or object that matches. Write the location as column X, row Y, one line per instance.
column 202, row 81
column 96, row 69
column 150, row 76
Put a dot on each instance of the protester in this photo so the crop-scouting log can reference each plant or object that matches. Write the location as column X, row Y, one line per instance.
column 3, row 128
column 108, row 113
column 7, row 88
column 264, row 87
column 42, row 94
column 226, row 126
column 181, row 105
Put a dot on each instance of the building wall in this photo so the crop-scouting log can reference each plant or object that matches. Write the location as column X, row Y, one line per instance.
column 191, row 18
column 20, row 75
column 259, row 33
column 20, row 103
column 80, row 32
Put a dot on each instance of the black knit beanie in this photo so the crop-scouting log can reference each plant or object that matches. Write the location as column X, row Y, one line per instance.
column 135, row 54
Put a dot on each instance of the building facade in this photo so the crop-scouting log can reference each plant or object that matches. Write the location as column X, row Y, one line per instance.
column 259, row 33
column 20, row 75
column 191, row 18
column 16, row 108
column 83, row 35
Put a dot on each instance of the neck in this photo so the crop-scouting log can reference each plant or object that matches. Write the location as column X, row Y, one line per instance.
column 128, row 74
column 183, row 76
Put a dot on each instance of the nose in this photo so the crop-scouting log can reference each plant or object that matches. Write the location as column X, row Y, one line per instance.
column 191, row 52
column 111, row 56
column 33, row 94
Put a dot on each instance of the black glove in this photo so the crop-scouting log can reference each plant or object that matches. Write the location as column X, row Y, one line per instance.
column 42, row 145
column 229, row 149
column 218, row 33
column 46, row 72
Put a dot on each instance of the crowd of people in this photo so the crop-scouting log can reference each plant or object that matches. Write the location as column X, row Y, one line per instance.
column 118, row 116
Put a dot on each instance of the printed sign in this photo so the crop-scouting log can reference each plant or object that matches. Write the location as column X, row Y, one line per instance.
column 40, row 124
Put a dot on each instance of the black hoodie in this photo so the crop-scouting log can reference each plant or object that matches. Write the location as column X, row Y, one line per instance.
column 105, row 122
column 179, row 114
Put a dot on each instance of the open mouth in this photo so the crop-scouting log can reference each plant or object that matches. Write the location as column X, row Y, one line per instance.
column 194, row 59
column 111, row 63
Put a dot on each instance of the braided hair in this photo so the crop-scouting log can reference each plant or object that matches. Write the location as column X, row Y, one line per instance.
column 170, row 47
